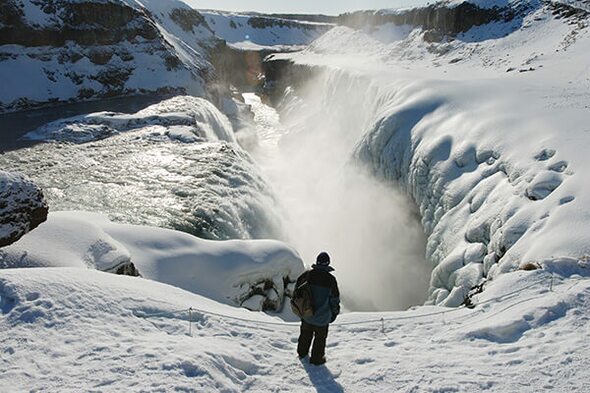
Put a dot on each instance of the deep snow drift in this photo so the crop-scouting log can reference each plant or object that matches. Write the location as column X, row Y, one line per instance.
column 253, row 274
column 66, row 329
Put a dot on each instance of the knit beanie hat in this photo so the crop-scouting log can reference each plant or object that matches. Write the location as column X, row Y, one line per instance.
column 323, row 259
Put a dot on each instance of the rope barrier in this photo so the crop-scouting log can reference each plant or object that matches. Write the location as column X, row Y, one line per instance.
column 382, row 320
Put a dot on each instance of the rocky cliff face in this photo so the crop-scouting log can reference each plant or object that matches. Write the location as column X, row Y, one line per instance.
column 66, row 50
column 22, row 207
column 440, row 19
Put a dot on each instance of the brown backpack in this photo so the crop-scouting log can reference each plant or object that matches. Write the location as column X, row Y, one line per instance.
column 301, row 301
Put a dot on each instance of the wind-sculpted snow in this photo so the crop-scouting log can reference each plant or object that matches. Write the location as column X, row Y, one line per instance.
column 493, row 159
column 22, row 207
column 254, row 274
column 66, row 241
column 173, row 165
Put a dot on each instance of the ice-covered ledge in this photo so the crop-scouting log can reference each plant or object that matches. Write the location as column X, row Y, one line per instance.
column 495, row 185
column 484, row 157
column 255, row 274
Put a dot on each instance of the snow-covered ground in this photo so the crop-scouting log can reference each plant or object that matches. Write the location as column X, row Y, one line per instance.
column 486, row 133
column 255, row 274
column 88, row 50
column 67, row 330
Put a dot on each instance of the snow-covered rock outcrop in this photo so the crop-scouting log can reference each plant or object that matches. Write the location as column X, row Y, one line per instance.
column 187, row 119
column 22, row 207
column 69, row 50
column 255, row 274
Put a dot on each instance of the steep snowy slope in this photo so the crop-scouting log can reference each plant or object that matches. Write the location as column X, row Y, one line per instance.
column 70, row 50
column 485, row 130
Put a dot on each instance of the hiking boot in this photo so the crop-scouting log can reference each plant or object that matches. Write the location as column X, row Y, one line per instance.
column 318, row 362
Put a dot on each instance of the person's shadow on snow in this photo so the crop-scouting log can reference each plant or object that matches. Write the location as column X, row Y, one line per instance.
column 322, row 378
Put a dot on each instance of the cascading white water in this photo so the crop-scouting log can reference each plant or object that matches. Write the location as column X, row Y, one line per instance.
column 369, row 228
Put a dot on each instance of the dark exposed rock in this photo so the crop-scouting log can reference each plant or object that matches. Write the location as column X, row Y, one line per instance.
column 259, row 22
column 85, row 23
column 568, row 11
column 22, row 207
column 306, row 17
column 86, row 93
column 188, row 19
column 528, row 266
column 172, row 62
column 280, row 73
column 125, row 269
column 113, row 77
column 266, row 295
column 100, row 56
column 10, row 14
column 239, row 68
column 438, row 18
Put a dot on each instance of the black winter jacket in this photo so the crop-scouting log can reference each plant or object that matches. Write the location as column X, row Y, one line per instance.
column 325, row 295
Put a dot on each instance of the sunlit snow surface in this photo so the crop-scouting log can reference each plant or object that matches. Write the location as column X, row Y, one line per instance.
column 174, row 164
column 72, row 330
column 486, row 132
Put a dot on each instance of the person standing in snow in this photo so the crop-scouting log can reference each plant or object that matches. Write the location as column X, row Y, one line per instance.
column 326, row 306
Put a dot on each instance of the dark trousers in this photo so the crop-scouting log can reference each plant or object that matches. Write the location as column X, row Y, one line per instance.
column 319, row 342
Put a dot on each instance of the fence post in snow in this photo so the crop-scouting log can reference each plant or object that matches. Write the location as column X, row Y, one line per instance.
column 382, row 325
column 551, row 283
column 190, row 321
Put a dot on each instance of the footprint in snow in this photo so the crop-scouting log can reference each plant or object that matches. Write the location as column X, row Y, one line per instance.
column 559, row 166
column 566, row 199
column 543, row 184
column 545, row 154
